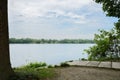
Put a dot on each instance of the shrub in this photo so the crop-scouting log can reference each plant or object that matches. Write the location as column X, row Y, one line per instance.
column 35, row 65
column 64, row 64
column 30, row 73
column 50, row 66
column 56, row 66
column 25, row 74
column 83, row 59
column 70, row 61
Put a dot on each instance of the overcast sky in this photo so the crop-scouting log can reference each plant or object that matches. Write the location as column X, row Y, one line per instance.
column 57, row 19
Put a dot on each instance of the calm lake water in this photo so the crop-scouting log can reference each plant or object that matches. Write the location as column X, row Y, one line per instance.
column 22, row 54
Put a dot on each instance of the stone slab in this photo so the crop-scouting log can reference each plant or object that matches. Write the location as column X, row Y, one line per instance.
column 73, row 63
column 105, row 64
column 83, row 63
column 93, row 63
column 116, row 65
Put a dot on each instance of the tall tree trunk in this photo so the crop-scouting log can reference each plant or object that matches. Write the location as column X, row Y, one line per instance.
column 5, row 66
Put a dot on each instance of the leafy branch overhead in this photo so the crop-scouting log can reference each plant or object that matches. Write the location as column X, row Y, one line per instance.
column 112, row 7
column 107, row 42
column 104, row 47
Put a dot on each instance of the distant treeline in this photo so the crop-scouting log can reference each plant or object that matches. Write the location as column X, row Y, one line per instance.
column 49, row 41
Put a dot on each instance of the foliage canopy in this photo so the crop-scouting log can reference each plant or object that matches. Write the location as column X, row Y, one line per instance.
column 106, row 47
column 112, row 7
column 107, row 42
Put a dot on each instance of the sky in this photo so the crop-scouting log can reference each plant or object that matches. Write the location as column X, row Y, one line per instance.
column 56, row 19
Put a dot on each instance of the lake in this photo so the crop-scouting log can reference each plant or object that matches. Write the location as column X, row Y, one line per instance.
column 22, row 54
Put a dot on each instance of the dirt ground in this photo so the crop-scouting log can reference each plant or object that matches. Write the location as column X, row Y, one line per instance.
column 85, row 73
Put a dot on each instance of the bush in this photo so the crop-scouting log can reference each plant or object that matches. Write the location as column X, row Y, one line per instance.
column 35, row 65
column 29, row 72
column 70, row 61
column 64, row 64
column 50, row 66
column 56, row 66
column 83, row 59
column 25, row 74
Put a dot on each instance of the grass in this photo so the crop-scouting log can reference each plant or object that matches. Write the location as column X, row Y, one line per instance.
column 33, row 71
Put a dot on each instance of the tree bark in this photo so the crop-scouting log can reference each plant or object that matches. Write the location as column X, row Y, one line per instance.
column 5, row 66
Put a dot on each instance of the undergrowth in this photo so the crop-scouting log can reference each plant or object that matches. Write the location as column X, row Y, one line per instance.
column 33, row 71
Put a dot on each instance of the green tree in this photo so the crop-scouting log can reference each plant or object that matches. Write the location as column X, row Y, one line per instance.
column 107, row 42
column 98, row 50
column 5, row 66
column 111, row 7
column 117, row 27
column 105, row 47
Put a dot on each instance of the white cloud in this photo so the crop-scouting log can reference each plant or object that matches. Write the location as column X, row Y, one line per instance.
column 51, row 8
column 32, row 8
column 55, row 18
